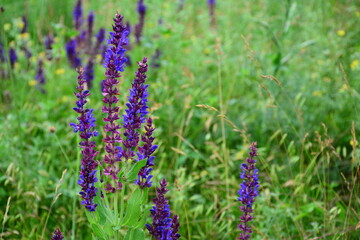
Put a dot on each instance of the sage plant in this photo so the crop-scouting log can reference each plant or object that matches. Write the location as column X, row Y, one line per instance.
column 248, row 191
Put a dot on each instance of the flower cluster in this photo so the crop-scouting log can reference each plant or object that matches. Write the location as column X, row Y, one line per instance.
column 57, row 235
column 114, row 64
column 135, row 112
column 86, row 127
column 145, row 152
column 248, row 191
column 83, row 45
column 163, row 227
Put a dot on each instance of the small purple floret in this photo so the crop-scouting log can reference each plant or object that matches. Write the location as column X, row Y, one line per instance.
column 13, row 57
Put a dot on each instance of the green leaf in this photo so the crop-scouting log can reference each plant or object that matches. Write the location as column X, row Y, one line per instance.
column 99, row 232
column 133, row 209
column 133, row 172
column 135, row 234
column 105, row 215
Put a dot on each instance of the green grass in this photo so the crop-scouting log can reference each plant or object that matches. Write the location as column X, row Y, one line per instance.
column 304, row 122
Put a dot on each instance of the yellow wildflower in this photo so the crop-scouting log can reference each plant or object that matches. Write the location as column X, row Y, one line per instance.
column 314, row 75
column 42, row 54
column 354, row 64
column 56, row 39
column 207, row 50
column 7, row 27
column 65, row 99
column 352, row 143
column 24, row 35
column 327, row 79
column 317, row 93
column 59, row 71
column 32, row 83
column 98, row 58
column 20, row 25
column 341, row 33
column 344, row 88
column 167, row 35
column 357, row 13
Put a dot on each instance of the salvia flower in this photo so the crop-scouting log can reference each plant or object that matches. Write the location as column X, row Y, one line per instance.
column 211, row 4
column 57, row 235
column 139, row 27
column 114, row 64
column 77, row 15
column 89, row 73
column 13, row 57
column 72, row 54
column 90, row 26
column 2, row 54
column 40, row 76
column 136, row 111
column 85, row 127
column 25, row 24
column 163, row 227
column 145, row 152
column 248, row 191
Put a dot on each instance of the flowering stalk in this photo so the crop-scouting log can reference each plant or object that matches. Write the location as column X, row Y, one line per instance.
column 89, row 74
column 163, row 227
column 77, row 14
column 114, row 64
column 135, row 112
column 13, row 57
column 90, row 25
column 40, row 76
column 139, row 27
column 72, row 54
column 86, row 127
column 57, row 235
column 145, row 152
column 211, row 4
column 248, row 191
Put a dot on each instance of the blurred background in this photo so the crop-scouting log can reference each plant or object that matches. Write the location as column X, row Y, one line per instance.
column 285, row 74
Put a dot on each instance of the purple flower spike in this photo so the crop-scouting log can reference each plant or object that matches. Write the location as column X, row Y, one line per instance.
column 85, row 127
column 89, row 74
column 136, row 111
column 77, row 14
column 139, row 27
column 25, row 26
column 90, row 25
column 211, row 4
column 13, row 57
column 72, row 54
column 57, row 235
column 49, row 41
column 2, row 54
column 248, row 191
column 40, row 76
column 145, row 152
column 163, row 227
column 114, row 64
column 100, row 36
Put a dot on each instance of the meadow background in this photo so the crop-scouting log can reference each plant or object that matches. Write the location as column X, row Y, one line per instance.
column 283, row 73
